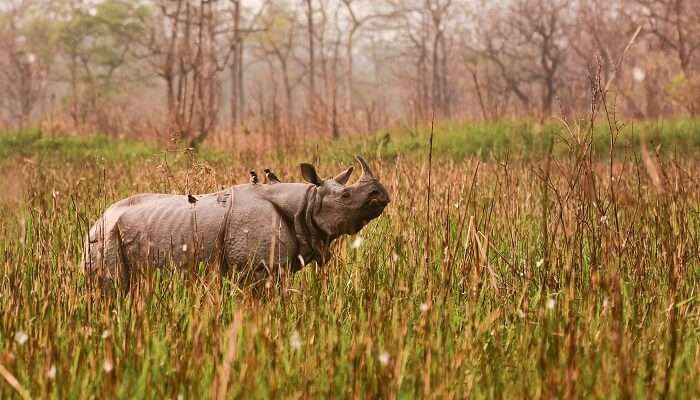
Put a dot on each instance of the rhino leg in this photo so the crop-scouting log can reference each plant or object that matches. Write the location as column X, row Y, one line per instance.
column 261, row 247
column 104, row 256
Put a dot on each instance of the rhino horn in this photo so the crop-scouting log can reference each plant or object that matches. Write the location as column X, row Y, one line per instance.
column 366, row 171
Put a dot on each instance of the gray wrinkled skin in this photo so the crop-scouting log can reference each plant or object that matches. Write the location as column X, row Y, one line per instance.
column 257, row 228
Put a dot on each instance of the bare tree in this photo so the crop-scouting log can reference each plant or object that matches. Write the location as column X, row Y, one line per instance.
column 334, row 66
column 439, row 13
column 312, row 50
column 186, row 49
column 675, row 24
column 527, row 42
column 93, row 44
column 239, row 33
column 423, row 30
column 278, row 43
column 356, row 21
column 25, row 59
column 596, row 47
column 237, row 101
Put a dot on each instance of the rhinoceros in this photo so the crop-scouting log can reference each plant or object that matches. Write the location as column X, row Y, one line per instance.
column 249, row 227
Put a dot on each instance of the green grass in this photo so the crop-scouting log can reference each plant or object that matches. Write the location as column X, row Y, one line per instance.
column 73, row 148
column 34, row 144
column 521, row 139
column 507, row 139
column 575, row 287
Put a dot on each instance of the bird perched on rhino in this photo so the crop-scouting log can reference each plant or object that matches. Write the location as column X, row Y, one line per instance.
column 270, row 176
column 191, row 199
column 242, row 228
column 253, row 177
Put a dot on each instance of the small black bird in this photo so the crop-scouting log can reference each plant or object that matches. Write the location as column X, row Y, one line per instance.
column 270, row 176
column 191, row 199
column 253, row 177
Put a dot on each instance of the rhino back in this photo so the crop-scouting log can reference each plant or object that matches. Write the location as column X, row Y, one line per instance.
column 155, row 229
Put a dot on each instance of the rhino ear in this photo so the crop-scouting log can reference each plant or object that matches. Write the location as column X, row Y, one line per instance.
column 309, row 173
column 343, row 177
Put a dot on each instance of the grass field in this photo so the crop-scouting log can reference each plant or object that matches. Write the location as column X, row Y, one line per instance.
column 523, row 264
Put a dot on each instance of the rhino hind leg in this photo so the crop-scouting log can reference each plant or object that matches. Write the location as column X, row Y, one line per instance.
column 104, row 257
column 122, row 262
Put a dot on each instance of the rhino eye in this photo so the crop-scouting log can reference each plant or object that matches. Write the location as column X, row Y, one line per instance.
column 345, row 195
column 374, row 193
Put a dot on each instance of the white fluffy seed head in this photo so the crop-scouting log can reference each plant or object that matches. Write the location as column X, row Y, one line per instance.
column 638, row 74
column 550, row 304
column 21, row 337
column 107, row 366
column 384, row 358
column 295, row 341
column 51, row 373
column 357, row 242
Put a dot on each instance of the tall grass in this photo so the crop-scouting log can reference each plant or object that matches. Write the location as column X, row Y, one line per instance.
column 557, row 277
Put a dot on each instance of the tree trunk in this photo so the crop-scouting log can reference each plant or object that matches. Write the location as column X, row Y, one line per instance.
column 312, row 60
column 241, row 87
column 436, row 86
column 349, row 69
column 236, row 95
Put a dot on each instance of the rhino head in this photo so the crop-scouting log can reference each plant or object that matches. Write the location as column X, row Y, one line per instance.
column 345, row 209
